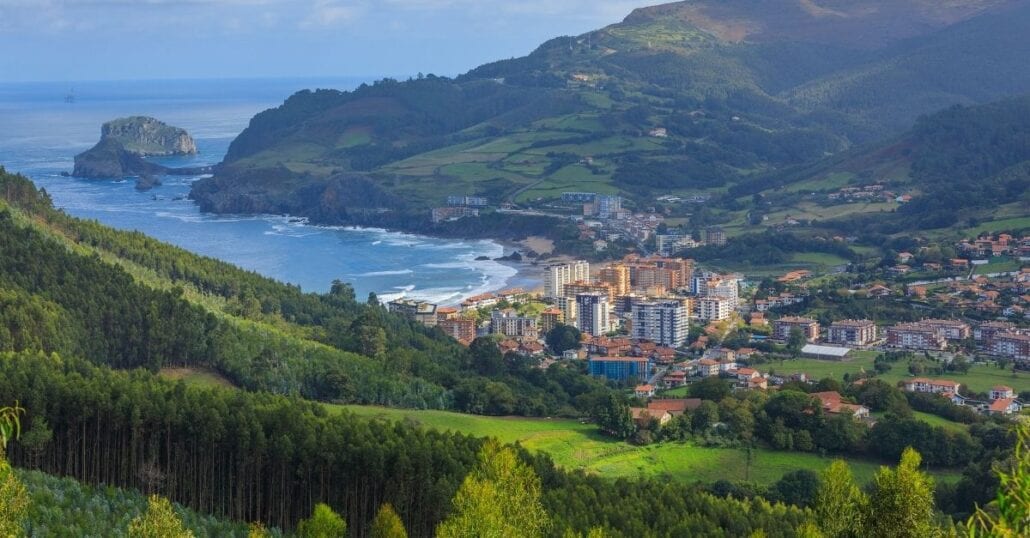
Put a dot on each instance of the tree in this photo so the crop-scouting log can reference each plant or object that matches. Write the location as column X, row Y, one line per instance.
column 14, row 501
column 159, row 521
column 795, row 341
column 710, row 388
column 500, row 498
column 562, row 338
column 486, row 356
column 1012, row 506
column 839, row 505
column 800, row 488
column 10, row 425
column 613, row 417
column 901, row 502
column 387, row 524
column 323, row 523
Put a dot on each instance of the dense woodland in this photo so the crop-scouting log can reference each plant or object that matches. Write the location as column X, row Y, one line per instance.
column 188, row 310
column 262, row 457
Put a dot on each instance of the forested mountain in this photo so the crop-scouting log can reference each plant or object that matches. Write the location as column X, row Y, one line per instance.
column 122, row 299
column 685, row 97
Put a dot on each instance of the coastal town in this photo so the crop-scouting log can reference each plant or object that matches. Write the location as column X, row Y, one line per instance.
column 655, row 325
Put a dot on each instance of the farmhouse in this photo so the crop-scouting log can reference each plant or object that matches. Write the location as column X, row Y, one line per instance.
column 831, row 403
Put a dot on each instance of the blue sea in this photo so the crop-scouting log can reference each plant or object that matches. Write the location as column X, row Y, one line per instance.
column 40, row 133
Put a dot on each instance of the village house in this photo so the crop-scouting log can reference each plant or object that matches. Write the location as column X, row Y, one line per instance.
column 707, row 368
column 675, row 407
column 479, row 301
column 1005, row 406
column 643, row 391
column 642, row 416
column 1001, row 392
column 832, row 403
column 932, row 386
column 611, row 347
column 674, row 379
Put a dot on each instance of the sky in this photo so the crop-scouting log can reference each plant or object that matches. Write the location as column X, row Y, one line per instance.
column 72, row 40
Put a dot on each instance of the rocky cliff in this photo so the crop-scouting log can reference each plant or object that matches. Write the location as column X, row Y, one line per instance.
column 125, row 142
column 146, row 136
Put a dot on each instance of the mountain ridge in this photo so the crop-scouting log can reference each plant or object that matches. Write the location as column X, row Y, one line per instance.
column 656, row 104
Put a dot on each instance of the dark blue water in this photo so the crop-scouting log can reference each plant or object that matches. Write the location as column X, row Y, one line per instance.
column 40, row 134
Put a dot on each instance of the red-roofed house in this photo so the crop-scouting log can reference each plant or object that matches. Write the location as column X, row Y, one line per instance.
column 707, row 368
column 643, row 391
column 1005, row 406
column 831, row 403
column 675, row 379
column 933, row 386
column 642, row 416
column 675, row 407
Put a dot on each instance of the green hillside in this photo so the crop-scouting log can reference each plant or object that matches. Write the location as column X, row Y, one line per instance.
column 122, row 299
column 740, row 91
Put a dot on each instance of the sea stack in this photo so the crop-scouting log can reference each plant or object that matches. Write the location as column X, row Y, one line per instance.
column 149, row 137
column 125, row 142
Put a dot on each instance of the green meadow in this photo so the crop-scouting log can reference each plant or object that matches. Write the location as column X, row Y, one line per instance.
column 980, row 378
column 574, row 444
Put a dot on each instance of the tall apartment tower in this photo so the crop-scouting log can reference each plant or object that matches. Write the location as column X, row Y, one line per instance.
column 616, row 275
column 592, row 313
column 558, row 275
column 664, row 322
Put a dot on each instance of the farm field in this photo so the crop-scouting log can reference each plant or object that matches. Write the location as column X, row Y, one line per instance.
column 980, row 377
column 575, row 445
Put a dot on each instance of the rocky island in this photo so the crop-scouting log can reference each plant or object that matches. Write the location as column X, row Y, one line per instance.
column 124, row 144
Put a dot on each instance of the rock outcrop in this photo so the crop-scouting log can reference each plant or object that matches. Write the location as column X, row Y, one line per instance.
column 125, row 142
column 147, row 137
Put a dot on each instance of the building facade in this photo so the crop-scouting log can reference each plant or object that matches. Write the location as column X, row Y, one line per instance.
column 663, row 322
column 556, row 276
column 620, row 368
column 592, row 313
column 714, row 309
column 508, row 323
column 783, row 326
column 852, row 332
column 915, row 336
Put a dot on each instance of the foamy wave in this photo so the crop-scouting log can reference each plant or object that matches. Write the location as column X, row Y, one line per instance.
column 387, row 273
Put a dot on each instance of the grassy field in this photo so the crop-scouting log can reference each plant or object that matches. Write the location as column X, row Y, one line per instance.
column 197, row 377
column 576, row 445
column 980, row 378
column 999, row 264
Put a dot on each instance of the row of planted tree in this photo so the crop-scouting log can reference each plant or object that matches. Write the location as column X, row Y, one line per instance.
column 503, row 496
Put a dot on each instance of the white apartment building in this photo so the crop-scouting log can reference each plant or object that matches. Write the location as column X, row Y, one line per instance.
column 593, row 313
column 556, row 276
column 714, row 308
column 665, row 323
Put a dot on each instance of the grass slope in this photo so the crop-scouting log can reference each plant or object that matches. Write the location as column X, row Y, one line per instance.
column 573, row 444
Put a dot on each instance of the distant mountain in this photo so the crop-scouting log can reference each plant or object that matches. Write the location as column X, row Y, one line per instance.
column 684, row 97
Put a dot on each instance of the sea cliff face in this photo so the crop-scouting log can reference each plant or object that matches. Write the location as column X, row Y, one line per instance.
column 147, row 136
column 125, row 142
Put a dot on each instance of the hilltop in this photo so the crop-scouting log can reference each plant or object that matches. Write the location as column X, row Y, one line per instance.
column 684, row 98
